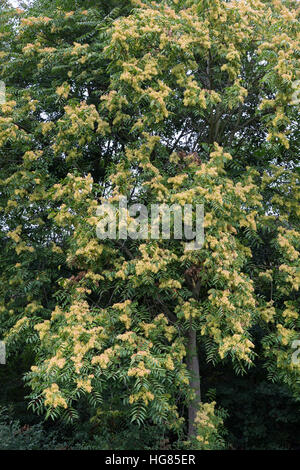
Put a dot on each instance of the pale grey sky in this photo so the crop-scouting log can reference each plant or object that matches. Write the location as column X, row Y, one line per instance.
column 14, row 3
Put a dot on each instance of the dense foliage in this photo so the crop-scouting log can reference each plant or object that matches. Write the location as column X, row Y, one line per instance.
column 169, row 102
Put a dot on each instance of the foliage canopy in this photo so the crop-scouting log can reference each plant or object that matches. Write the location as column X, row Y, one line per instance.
column 177, row 101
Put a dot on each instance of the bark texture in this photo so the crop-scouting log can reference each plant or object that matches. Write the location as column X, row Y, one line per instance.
column 193, row 367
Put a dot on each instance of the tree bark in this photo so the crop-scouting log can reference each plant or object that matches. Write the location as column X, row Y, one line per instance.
column 193, row 368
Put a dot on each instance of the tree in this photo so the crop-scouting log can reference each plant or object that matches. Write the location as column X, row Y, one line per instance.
column 185, row 102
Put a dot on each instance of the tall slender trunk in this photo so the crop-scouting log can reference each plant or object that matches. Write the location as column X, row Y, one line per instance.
column 193, row 368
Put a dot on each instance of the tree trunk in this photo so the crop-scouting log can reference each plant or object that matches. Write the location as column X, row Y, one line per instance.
column 193, row 368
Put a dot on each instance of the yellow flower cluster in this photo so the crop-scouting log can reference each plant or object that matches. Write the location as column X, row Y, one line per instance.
column 188, row 310
column 78, row 48
column 126, row 319
column 290, row 311
column 285, row 334
column 18, row 326
column 32, row 156
column 207, row 424
column 92, row 250
column 56, row 361
column 170, row 284
column 43, row 328
column 104, row 358
column 129, row 337
column 15, row 234
column 289, row 250
column 241, row 346
column 293, row 277
column 268, row 312
column 32, row 20
column 144, row 395
column 33, row 307
column 85, row 384
column 139, row 371
column 63, row 90
column 177, row 180
column 169, row 364
column 54, row 397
